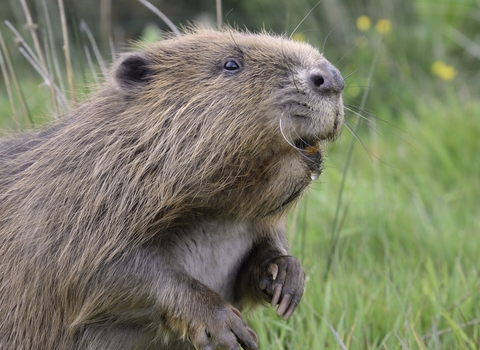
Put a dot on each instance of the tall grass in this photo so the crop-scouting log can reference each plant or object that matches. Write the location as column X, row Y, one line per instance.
column 389, row 235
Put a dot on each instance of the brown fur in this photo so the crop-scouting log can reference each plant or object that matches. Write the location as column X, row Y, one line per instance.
column 140, row 220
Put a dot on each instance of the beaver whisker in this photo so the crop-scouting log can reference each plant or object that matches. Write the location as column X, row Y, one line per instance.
column 374, row 125
column 308, row 148
column 300, row 139
column 304, row 144
column 305, row 147
column 283, row 133
column 370, row 154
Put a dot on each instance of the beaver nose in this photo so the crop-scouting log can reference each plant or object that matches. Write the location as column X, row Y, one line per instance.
column 329, row 80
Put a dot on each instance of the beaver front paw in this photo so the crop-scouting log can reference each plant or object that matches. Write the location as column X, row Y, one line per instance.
column 224, row 330
column 284, row 282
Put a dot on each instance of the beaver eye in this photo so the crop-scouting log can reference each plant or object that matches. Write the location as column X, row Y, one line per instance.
column 231, row 66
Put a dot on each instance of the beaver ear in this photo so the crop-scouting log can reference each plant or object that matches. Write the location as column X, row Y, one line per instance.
column 133, row 71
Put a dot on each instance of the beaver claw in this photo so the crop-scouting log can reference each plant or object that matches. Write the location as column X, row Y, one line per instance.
column 284, row 283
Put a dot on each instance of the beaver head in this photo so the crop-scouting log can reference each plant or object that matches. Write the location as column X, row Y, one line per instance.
column 230, row 123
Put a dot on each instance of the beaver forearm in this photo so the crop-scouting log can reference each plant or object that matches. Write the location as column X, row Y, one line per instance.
column 157, row 296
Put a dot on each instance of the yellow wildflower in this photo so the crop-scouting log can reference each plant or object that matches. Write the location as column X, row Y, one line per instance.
column 443, row 70
column 363, row 23
column 383, row 26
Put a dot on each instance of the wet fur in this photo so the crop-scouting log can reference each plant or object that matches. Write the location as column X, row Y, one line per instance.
column 153, row 206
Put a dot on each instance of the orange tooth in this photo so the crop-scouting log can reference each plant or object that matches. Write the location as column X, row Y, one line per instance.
column 312, row 150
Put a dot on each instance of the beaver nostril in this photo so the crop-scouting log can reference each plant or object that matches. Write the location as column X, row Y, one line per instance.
column 328, row 81
column 318, row 80
column 322, row 83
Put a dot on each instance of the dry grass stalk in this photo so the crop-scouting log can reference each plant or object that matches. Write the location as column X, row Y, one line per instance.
column 32, row 27
column 66, row 51
column 8, row 87
column 162, row 16
column 23, row 105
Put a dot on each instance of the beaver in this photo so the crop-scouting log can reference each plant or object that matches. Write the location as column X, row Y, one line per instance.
column 154, row 212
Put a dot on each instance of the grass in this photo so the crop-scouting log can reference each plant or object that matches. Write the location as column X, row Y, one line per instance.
column 405, row 270
column 406, row 273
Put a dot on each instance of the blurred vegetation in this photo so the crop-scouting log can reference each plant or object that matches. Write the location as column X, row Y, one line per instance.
column 432, row 44
column 390, row 246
